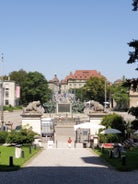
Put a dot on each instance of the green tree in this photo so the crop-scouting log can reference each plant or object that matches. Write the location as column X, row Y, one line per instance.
column 79, row 94
column 120, row 94
column 94, row 89
column 18, row 76
column 33, row 85
column 133, row 55
column 35, row 88
column 114, row 121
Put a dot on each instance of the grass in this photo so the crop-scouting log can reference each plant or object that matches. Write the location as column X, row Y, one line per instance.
column 7, row 152
column 117, row 163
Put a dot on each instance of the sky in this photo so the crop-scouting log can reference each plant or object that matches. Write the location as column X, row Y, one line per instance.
column 61, row 36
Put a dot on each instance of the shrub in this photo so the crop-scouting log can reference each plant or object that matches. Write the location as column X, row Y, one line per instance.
column 3, row 136
column 24, row 136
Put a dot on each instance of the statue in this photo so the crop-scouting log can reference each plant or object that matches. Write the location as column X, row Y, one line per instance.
column 34, row 107
column 93, row 106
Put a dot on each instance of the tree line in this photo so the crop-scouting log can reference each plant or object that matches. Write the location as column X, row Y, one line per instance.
column 34, row 86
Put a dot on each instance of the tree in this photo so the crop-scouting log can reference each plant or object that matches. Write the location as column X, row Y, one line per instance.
column 135, row 5
column 35, row 88
column 18, row 76
column 33, row 85
column 94, row 89
column 120, row 94
column 114, row 121
column 133, row 56
column 133, row 111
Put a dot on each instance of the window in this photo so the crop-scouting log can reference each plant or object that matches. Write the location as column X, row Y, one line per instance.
column 6, row 102
column 7, row 93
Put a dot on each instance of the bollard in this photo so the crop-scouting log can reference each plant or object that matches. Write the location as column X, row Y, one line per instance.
column 110, row 154
column 22, row 154
column 56, row 144
column 30, row 149
column 123, row 159
column 11, row 161
column 35, row 146
column 75, row 144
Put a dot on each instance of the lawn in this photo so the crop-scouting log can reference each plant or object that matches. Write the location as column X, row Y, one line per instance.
column 130, row 163
column 9, row 151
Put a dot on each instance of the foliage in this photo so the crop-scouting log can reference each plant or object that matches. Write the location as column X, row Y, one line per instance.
column 77, row 106
column 18, row 76
column 120, row 95
column 24, row 136
column 113, row 138
column 112, row 121
column 135, row 5
column 10, row 108
column 33, row 85
column 49, row 107
column 36, row 88
column 115, row 121
column 133, row 111
column 131, row 159
column 133, row 56
column 134, row 124
column 3, row 136
column 79, row 94
column 94, row 89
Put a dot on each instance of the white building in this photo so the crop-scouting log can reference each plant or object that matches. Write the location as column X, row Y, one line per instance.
column 11, row 93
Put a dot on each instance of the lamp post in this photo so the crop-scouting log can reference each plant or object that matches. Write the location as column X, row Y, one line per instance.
column 1, row 96
column 105, row 96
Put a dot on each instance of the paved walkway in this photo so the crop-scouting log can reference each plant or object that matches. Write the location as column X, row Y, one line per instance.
column 67, row 166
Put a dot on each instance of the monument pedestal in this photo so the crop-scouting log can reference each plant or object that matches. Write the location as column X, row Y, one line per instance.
column 33, row 120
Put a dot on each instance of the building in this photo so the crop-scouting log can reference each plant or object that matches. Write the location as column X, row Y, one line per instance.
column 54, row 84
column 10, row 94
column 133, row 98
column 72, row 81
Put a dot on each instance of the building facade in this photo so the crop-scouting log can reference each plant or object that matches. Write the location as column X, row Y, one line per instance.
column 133, row 98
column 9, row 93
column 72, row 81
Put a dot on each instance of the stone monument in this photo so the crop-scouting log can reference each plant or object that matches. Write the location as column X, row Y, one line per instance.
column 31, row 116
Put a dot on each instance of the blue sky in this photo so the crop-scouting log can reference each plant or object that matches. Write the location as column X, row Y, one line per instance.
column 59, row 36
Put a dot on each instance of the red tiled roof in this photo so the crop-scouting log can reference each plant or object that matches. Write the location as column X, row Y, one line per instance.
column 86, row 74
column 82, row 75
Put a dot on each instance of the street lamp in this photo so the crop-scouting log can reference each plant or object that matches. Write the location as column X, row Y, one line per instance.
column 105, row 96
column 1, row 96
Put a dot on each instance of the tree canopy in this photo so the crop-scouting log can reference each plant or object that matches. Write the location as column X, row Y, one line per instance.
column 33, row 85
column 133, row 55
column 135, row 5
column 120, row 94
column 94, row 89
